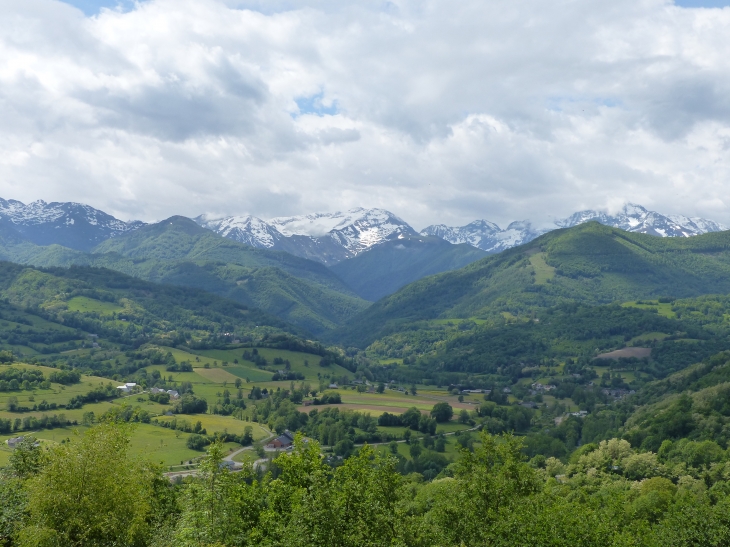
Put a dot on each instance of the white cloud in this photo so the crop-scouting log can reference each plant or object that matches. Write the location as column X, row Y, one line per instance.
column 438, row 111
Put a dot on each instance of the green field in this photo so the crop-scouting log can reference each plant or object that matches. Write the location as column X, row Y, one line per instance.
column 169, row 446
column 225, row 360
column 58, row 393
column 543, row 271
column 451, row 452
column 89, row 305
column 456, row 322
column 391, row 361
column 627, row 375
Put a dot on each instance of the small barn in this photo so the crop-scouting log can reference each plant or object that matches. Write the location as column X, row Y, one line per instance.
column 285, row 440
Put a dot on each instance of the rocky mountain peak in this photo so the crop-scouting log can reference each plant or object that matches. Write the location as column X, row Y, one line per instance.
column 70, row 224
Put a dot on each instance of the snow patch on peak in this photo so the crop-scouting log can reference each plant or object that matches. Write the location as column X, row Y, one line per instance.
column 246, row 229
column 70, row 224
column 320, row 224
column 356, row 230
column 485, row 235
column 635, row 218
column 40, row 212
column 331, row 237
column 350, row 231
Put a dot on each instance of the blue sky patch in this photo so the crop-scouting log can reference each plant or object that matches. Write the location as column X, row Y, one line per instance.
column 92, row 7
column 313, row 105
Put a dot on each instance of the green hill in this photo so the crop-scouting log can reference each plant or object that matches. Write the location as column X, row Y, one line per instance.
column 177, row 251
column 688, row 407
column 389, row 266
column 589, row 264
column 123, row 310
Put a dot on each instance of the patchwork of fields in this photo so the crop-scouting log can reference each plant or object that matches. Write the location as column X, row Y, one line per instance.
column 213, row 372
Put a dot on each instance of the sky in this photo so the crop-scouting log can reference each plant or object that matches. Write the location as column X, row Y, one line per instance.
column 441, row 112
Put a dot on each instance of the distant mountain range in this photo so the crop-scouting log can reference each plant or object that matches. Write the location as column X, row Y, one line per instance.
column 489, row 237
column 486, row 235
column 635, row 218
column 333, row 237
column 328, row 238
column 387, row 267
column 281, row 265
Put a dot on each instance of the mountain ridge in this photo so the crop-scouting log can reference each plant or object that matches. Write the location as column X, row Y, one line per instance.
column 589, row 263
column 74, row 225
column 488, row 236
column 328, row 238
column 179, row 252
column 334, row 237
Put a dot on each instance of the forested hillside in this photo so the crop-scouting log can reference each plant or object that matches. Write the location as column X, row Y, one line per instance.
column 179, row 252
column 43, row 308
column 589, row 264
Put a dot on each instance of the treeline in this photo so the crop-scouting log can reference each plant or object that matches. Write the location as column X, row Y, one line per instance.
column 608, row 495
column 101, row 393
column 33, row 423
column 411, row 418
column 26, row 379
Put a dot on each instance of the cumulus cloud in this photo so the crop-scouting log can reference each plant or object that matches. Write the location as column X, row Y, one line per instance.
column 435, row 110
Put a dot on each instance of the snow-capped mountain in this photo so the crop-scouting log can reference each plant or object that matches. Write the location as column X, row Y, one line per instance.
column 485, row 235
column 326, row 237
column 73, row 225
column 356, row 229
column 635, row 218
column 473, row 233
column 632, row 218
column 245, row 229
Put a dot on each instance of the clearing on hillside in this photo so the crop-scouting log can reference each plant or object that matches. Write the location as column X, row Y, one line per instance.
column 543, row 271
column 639, row 353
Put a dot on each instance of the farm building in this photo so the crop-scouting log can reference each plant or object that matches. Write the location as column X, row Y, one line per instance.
column 284, row 440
